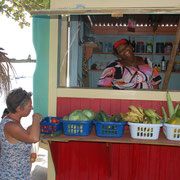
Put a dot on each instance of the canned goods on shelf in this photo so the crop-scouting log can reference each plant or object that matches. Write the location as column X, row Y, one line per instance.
column 140, row 47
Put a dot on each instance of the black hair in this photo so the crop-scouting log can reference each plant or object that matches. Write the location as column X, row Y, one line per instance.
column 5, row 112
column 115, row 49
column 17, row 97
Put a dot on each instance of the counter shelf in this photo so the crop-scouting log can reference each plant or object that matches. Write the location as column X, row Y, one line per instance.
column 125, row 139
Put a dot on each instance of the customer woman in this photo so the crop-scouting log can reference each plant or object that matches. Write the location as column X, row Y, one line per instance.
column 15, row 141
column 129, row 71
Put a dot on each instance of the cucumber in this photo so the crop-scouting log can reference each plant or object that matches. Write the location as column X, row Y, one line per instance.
column 104, row 116
column 98, row 117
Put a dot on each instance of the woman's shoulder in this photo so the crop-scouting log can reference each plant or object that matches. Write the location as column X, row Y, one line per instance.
column 143, row 60
column 113, row 63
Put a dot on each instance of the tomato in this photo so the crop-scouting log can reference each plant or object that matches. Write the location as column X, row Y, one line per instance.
column 33, row 157
column 53, row 120
column 32, row 160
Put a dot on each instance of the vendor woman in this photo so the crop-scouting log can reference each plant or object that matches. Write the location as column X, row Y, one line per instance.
column 129, row 71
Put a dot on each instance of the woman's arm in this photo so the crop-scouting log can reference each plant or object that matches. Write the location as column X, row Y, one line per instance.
column 31, row 135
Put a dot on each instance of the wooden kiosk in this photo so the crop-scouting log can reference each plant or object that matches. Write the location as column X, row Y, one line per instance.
column 93, row 158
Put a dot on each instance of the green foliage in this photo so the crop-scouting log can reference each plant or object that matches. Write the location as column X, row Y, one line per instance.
column 19, row 9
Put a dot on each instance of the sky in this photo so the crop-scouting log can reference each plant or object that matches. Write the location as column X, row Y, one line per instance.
column 16, row 42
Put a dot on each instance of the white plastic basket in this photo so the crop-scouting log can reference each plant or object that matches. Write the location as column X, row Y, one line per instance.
column 144, row 131
column 172, row 132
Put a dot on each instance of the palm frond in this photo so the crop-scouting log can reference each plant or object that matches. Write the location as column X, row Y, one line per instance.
column 5, row 68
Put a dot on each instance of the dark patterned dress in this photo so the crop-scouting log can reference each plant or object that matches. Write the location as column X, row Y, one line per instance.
column 15, row 158
column 126, row 77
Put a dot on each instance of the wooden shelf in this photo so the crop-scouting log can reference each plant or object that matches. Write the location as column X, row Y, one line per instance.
column 126, row 138
column 163, row 54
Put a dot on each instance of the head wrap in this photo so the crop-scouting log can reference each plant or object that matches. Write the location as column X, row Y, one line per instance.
column 121, row 41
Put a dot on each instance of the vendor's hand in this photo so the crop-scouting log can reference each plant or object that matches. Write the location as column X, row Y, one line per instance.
column 37, row 116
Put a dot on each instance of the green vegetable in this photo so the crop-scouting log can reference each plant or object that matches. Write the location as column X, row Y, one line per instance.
column 78, row 115
column 66, row 118
column 118, row 118
column 57, row 133
column 170, row 105
column 178, row 113
column 176, row 108
column 104, row 116
column 164, row 114
column 90, row 114
column 158, row 121
column 98, row 117
column 112, row 118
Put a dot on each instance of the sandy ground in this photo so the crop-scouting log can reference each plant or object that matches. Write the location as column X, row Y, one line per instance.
column 39, row 167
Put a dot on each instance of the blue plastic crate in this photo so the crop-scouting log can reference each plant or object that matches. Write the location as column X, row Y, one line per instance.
column 77, row 128
column 46, row 127
column 109, row 129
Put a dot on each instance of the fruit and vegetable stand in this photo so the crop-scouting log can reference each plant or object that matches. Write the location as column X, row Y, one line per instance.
column 93, row 157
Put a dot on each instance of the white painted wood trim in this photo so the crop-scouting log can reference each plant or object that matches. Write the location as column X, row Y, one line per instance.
column 155, row 95
column 81, row 4
column 53, row 59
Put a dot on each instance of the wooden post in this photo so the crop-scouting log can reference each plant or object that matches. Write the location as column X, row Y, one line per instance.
column 172, row 57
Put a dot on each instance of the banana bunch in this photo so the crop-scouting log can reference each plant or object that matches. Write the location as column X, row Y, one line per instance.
column 140, row 115
column 152, row 117
column 135, row 115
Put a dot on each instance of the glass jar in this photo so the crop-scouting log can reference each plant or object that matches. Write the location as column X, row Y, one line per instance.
column 168, row 47
column 149, row 47
column 159, row 47
column 177, row 66
column 140, row 47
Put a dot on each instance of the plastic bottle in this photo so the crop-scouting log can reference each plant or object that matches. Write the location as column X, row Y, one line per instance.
column 163, row 64
column 167, row 62
column 133, row 45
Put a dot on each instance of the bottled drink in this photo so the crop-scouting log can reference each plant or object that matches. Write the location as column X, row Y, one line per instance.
column 133, row 45
column 163, row 64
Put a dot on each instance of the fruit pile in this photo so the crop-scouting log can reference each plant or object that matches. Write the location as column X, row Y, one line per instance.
column 140, row 115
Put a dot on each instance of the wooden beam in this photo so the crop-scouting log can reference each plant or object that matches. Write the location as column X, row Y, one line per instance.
column 116, row 15
column 106, row 11
column 172, row 58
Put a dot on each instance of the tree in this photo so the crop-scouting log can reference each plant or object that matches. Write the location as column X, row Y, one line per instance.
column 5, row 67
column 19, row 9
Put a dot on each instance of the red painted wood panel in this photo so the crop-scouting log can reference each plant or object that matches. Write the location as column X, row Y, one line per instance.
column 110, row 106
column 112, row 161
